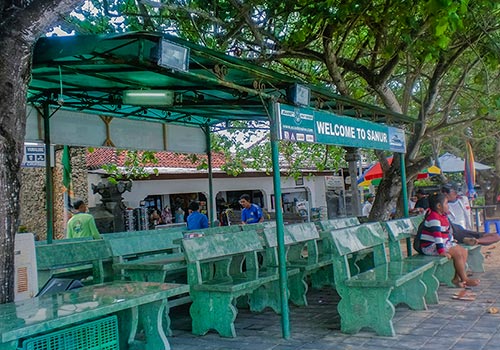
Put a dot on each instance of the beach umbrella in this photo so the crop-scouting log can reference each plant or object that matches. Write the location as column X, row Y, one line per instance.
column 373, row 175
column 470, row 171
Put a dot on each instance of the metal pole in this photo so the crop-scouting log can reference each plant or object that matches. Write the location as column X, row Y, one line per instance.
column 280, row 231
column 210, row 203
column 49, row 181
column 404, row 193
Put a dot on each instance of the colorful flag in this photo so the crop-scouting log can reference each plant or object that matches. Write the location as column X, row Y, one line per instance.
column 66, row 163
column 469, row 171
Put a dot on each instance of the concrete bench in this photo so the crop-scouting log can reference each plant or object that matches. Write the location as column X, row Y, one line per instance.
column 81, row 317
column 86, row 260
column 399, row 231
column 149, row 256
column 215, row 287
column 301, row 256
column 368, row 298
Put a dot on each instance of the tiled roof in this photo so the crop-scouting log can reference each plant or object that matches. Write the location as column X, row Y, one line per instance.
column 101, row 156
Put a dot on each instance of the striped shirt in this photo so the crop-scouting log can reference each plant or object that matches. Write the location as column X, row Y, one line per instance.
column 436, row 230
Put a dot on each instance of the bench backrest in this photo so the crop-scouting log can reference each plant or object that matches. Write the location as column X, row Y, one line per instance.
column 221, row 256
column 152, row 242
column 335, row 224
column 355, row 239
column 212, row 247
column 417, row 220
column 367, row 240
column 217, row 230
column 63, row 254
column 82, row 258
column 143, row 233
column 399, row 231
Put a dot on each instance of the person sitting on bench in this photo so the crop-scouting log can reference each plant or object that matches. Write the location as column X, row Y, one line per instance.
column 460, row 219
column 436, row 239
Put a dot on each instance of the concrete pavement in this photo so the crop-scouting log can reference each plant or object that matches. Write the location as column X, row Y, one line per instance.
column 453, row 325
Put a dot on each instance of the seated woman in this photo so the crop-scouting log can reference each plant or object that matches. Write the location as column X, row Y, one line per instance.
column 437, row 239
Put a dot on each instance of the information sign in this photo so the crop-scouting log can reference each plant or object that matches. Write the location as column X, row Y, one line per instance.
column 308, row 125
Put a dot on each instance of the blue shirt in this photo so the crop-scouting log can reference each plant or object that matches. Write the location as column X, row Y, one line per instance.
column 196, row 221
column 251, row 215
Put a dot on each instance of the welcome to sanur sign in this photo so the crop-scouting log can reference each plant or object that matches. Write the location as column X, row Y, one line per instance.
column 304, row 124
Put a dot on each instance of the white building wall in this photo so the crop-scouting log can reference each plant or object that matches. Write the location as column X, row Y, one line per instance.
column 315, row 186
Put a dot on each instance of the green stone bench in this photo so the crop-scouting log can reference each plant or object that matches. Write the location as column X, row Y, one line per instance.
column 400, row 231
column 87, row 260
column 215, row 287
column 475, row 258
column 149, row 256
column 368, row 298
column 301, row 256
column 42, row 322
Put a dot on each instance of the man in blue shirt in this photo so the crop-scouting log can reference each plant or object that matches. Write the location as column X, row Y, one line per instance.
column 196, row 220
column 251, row 213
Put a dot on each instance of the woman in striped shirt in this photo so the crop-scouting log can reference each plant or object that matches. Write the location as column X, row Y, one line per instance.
column 437, row 239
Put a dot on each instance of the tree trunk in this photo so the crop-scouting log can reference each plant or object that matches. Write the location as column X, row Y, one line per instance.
column 19, row 30
column 388, row 192
column 14, row 75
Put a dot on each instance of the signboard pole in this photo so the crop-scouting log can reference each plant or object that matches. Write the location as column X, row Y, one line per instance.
column 280, row 231
column 404, row 193
column 49, row 181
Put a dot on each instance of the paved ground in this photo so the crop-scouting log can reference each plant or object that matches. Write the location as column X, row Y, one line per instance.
column 453, row 324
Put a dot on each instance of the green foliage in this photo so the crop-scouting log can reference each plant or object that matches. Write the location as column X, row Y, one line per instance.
column 436, row 60
column 133, row 166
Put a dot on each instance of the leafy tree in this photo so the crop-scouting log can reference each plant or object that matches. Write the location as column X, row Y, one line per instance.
column 413, row 57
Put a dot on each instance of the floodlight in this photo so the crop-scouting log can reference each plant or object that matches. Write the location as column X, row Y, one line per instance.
column 173, row 56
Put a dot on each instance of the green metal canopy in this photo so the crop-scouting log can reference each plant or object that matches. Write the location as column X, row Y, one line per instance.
column 90, row 73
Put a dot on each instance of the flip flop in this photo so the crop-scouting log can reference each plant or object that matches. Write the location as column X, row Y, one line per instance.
column 464, row 295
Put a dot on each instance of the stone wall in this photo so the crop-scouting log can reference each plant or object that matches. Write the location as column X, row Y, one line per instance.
column 33, row 216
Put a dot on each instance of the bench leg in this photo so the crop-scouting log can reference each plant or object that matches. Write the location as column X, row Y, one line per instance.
column 213, row 311
column 266, row 296
column 412, row 293
column 445, row 273
column 432, row 284
column 366, row 307
column 475, row 260
column 322, row 277
column 128, row 321
column 298, row 289
column 151, row 317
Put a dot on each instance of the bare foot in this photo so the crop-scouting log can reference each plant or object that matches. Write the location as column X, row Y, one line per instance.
column 472, row 282
column 458, row 283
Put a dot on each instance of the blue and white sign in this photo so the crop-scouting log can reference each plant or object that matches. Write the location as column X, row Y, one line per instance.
column 34, row 156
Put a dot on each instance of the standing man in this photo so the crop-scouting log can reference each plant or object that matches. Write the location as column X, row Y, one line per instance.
column 196, row 220
column 251, row 213
column 367, row 207
column 82, row 224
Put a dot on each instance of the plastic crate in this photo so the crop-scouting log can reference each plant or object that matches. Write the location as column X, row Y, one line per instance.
column 101, row 334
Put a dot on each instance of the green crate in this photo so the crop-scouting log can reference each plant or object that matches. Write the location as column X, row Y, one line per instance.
column 100, row 334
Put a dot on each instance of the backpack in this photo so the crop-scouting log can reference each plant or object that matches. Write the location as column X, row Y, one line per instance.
column 416, row 240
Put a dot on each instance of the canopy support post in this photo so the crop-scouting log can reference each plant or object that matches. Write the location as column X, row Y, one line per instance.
column 211, row 208
column 280, row 231
column 49, row 181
